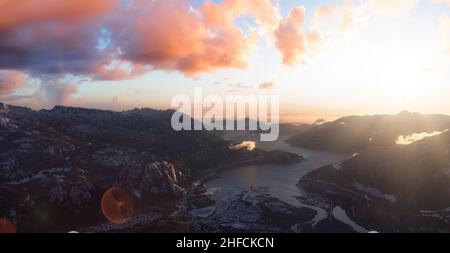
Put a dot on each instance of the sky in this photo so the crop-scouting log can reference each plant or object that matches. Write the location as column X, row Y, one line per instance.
column 325, row 59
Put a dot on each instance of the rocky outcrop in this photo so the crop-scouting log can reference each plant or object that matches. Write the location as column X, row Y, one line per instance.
column 155, row 178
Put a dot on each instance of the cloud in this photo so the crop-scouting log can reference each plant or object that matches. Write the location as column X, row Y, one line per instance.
column 59, row 93
column 409, row 139
column 289, row 36
column 348, row 16
column 248, row 145
column 118, row 39
column 25, row 12
column 48, row 93
column 340, row 18
column 54, row 37
column 117, row 70
column 266, row 85
column 225, row 13
column 324, row 13
column 44, row 49
column 121, row 39
column 190, row 41
column 11, row 80
column 292, row 39
column 391, row 7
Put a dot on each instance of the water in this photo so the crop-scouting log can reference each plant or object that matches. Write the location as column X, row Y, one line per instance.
column 280, row 180
column 341, row 215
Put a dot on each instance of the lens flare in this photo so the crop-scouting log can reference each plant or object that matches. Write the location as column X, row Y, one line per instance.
column 117, row 205
column 6, row 226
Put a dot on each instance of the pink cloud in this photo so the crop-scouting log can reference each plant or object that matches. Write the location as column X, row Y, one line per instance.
column 191, row 41
column 262, row 11
column 49, row 39
column 11, row 80
column 116, row 70
column 293, row 40
column 28, row 11
column 290, row 39
column 169, row 35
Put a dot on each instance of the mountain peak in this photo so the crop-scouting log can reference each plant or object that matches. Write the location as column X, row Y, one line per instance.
column 65, row 109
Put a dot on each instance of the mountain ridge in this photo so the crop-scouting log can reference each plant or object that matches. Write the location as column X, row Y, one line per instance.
column 355, row 133
column 402, row 188
column 61, row 161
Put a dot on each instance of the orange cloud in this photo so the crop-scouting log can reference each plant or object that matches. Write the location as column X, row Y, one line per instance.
column 291, row 38
column 225, row 13
column 190, row 41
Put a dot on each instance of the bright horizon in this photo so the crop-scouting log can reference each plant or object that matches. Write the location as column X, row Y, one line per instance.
column 325, row 59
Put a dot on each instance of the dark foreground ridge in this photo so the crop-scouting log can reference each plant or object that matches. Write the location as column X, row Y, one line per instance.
column 56, row 164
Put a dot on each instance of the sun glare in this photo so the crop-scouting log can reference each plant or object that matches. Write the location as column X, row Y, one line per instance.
column 394, row 65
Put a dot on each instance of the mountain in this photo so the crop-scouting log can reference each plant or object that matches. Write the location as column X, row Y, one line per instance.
column 56, row 164
column 390, row 189
column 355, row 133
column 285, row 130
